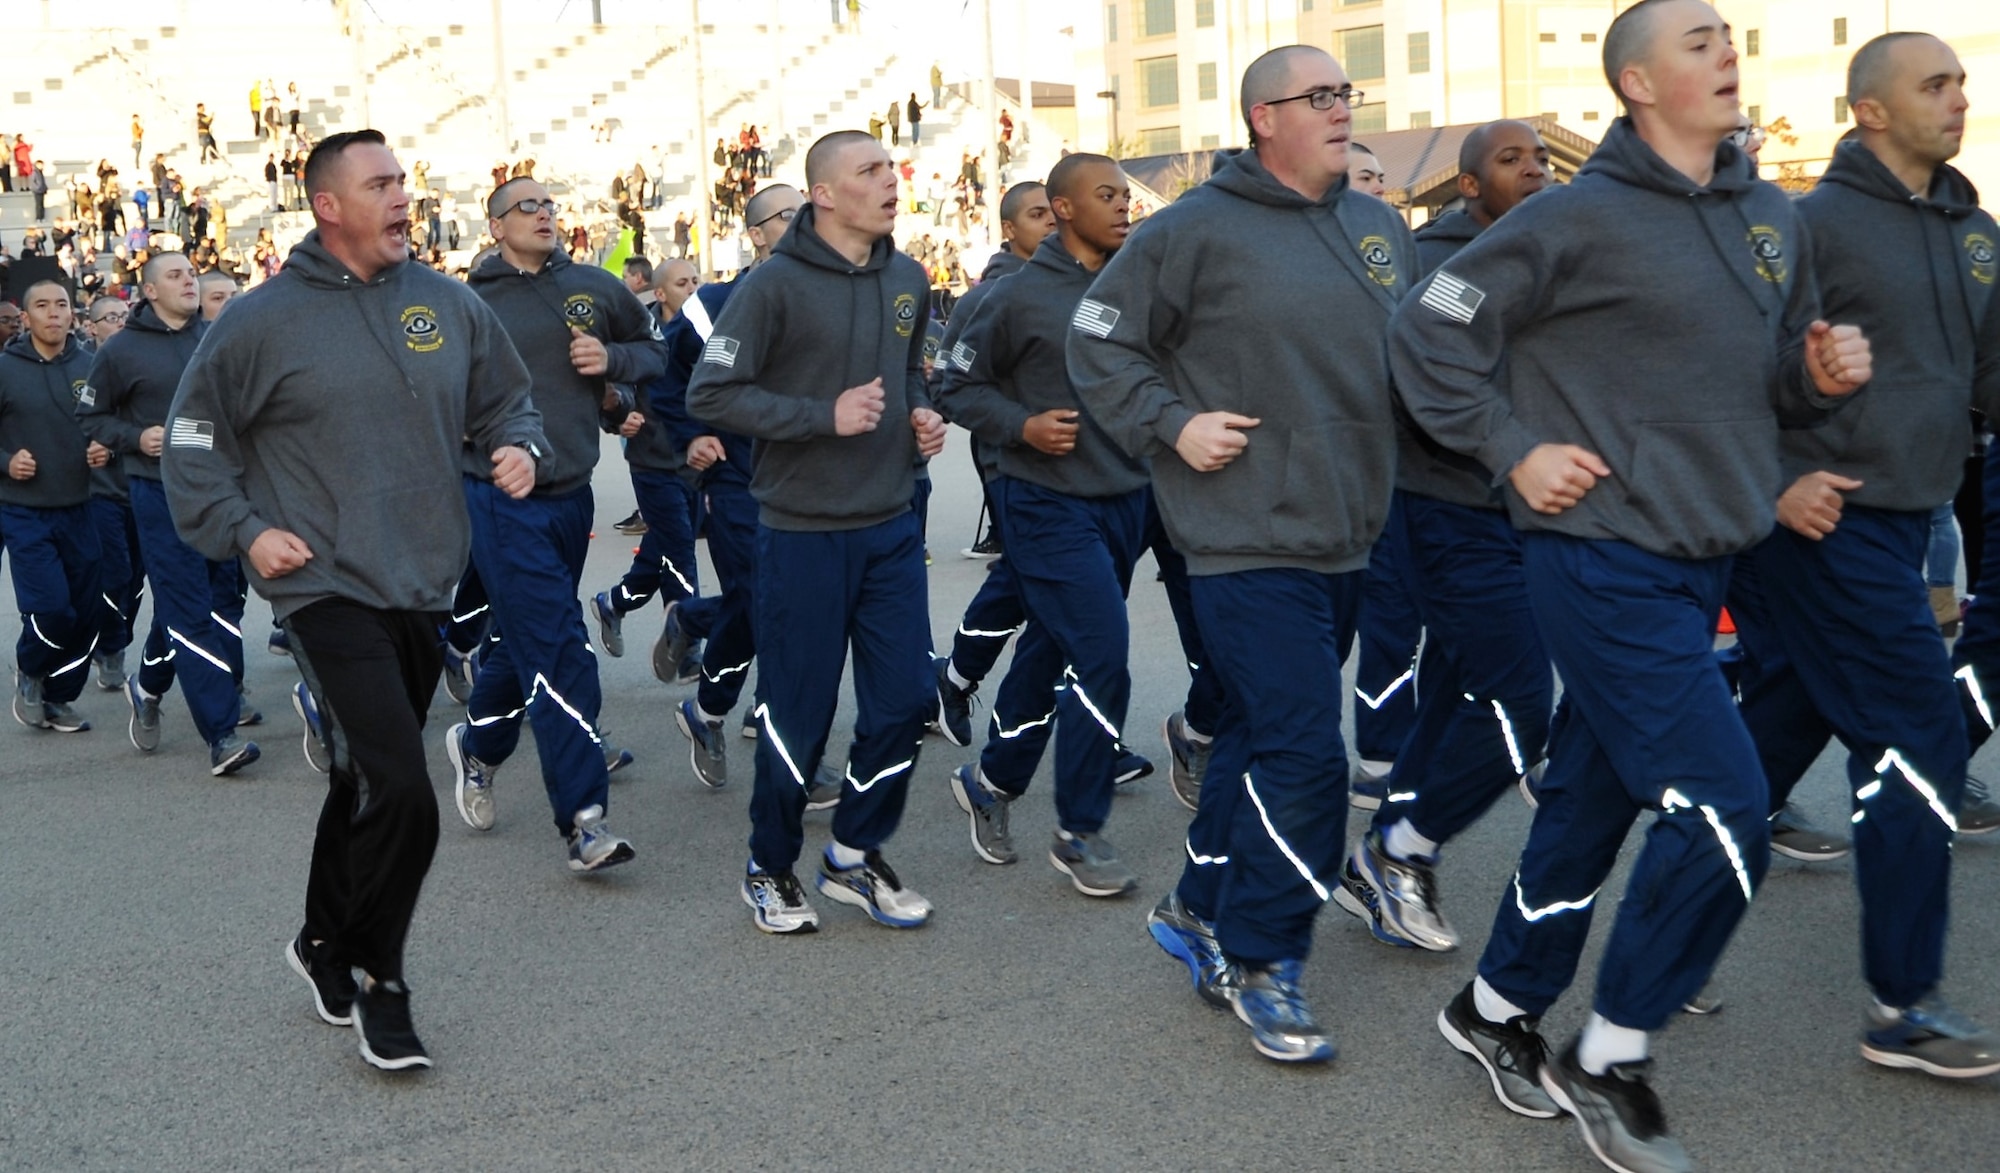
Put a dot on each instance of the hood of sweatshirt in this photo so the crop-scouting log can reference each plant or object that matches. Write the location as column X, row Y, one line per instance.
column 495, row 267
column 1243, row 174
column 1455, row 227
column 22, row 345
column 310, row 261
column 146, row 320
column 1627, row 158
column 1855, row 166
column 1004, row 261
column 802, row 242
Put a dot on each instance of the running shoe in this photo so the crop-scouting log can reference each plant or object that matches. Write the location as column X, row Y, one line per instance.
column 1268, row 1001
column 987, row 810
column 610, row 624
column 62, row 717
column 1397, row 897
column 592, row 846
column 778, row 903
column 1091, row 864
column 824, row 793
column 461, row 669
column 247, row 712
column 280, row 643
column 986, row 547
column 1794, row 835
column 332, row 985
column 472, row 784
column 229, row 754
column 670, row 651
column 318, row 755
column 1978, row 814
column 382, row 1019
column 954, row 704
column 28, row 700
column 1365, row 791
column 1618, row 1112
column 708, row 750
column 1187, row 761
column 1130, row 767
column 1932, row 1038
column 1512, row 1054
column 110, row 671
column 1191, row 940
column 873, row 887
column 144, row 728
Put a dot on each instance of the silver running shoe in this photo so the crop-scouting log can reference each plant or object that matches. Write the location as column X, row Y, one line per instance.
column 708, row 750
column 1932, row 1038
column 592, row 846
column 1091, row 864
column 473, row 787
column 1187, row 761
column 1397, row 897
column 778, row 904
column 145, row 725
column 873, row 887
column 824, row 792
column 110, row 671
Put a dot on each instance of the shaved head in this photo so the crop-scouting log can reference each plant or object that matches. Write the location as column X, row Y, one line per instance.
column 1018, row 198
column 769, row 201
column 1869, row 73
column 1270, row 77
column 1629, row 39
column 1070, row 173
column 157, row 263
column 504, row 196
column 1474, row 152
column 823, row 157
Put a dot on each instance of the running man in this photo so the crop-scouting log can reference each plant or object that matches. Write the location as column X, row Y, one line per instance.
column 289, row 445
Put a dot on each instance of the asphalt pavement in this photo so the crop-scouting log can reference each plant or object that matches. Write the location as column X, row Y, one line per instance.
column 637, row 1020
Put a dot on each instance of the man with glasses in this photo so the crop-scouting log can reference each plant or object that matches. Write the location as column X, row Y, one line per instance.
column 10, row 321
column 586, row 340
column 1274, row 488
column 329, row 461
column 124, row 574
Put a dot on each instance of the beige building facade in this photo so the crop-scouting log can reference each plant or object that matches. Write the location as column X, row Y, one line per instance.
column 1165, row 72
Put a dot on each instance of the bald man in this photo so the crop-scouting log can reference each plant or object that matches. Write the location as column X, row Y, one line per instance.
column 1481, row 721
column 1835, row 610
column 1243, row 470
column 1628, row 526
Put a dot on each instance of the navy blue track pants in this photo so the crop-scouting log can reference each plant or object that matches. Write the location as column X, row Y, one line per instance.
column 665, row 561
column 1265, row 845
column 1072, row 560
column 728, row 621
column 1651, row 726
column 1392, row 628
column 1483, row 717
column 538, row 661
column 197, row 636
column 820, row 595
column 55, row 559
column 122, row 581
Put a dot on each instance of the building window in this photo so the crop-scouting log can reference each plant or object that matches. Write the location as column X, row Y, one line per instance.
column 1111, row 22
column 1204, row 81
column 1590, row 38
column 1420, row 52
column 1840, row 30
column 1372, row 118
column 1356, row 3
column 1753, row 42
column 1305, row 5
column 1159, row 82
column 1360, row 51
column 1210, row 142
column 1420, row 120
column 1755, row 114
column 1548, row 38
column 1840, row 110
column 1156, row 18
column 1204, row 14
column 1590, row 116
column 1164, row 140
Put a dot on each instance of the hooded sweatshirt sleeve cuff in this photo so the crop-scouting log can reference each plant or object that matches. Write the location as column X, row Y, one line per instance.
column 1508, row 446
column 1172, row 422
column 248, row 531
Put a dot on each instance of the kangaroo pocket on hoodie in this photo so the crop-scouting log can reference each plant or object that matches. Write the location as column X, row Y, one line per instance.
column 365, row 518
column 1335, row 476
column 1721, row 456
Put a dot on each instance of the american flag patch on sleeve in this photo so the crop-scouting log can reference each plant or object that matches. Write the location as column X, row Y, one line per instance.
column 187, row 433
column 721, row 351
column 1094, row 318
column 962, row 356
column 1453, row 298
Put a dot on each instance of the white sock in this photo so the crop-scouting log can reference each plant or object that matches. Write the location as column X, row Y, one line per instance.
column 1376, row 771
column 708, row 718
column 1196, row 735
column 844, row 856
column 987, row 785
column 1403, row 842
column 1605, row 1043
column 1491, row 1006
column 957, row 681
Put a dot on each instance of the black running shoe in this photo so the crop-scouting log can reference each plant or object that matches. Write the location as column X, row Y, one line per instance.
column 382, row 1019
column 1512, row 1054
column 1619, row 1113
column 332, row 985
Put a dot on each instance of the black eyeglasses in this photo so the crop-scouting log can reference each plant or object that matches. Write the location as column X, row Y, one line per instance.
column 785, row 215
column 1747, row 137
column 111, row 318
column 530, row 207
column 1323, row 99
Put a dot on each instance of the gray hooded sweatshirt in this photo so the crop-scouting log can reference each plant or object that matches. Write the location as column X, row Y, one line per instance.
column 38, row 412
column 132, row 383
column 1424, row 466
column 337, row 409
column 539, row 310
column 1008, row 366
column 1916, row 274
column 1652, row 321
column 799, row 329
column 1245, row 296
